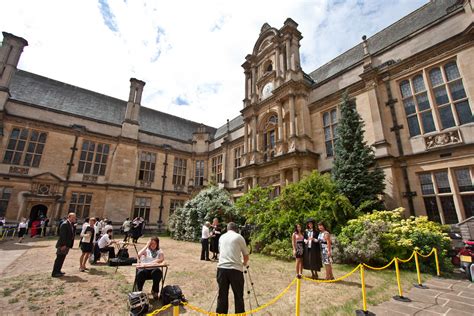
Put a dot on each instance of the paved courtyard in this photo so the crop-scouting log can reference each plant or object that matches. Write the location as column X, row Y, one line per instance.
column 443, row 297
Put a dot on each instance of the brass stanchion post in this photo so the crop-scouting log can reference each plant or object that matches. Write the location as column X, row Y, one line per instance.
column 418, row 274
column 400, row 296
column 298, row 294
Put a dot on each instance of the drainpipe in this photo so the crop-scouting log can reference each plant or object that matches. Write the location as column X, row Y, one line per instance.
column 408, row 194
column 62, row 200
column 162, row 193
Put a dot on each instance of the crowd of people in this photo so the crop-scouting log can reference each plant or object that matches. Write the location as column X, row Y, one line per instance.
column 312, row 250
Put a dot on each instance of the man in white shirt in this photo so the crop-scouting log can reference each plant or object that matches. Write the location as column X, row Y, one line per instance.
column 233, row 257
column 104, row 245
column 205, row 242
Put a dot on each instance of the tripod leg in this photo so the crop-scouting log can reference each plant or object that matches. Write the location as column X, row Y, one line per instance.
column 253, row 288
column 248, row 291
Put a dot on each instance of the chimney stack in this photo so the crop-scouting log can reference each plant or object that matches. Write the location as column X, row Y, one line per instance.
column 134, row 101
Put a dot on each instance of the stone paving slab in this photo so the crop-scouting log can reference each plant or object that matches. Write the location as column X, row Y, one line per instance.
column 7, row 258
column 443, row 297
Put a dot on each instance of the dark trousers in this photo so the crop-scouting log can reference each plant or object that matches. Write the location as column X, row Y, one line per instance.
column 149, row 274
column 98, row 250
column 205, row 249
column 235, row 279
column 58, row 263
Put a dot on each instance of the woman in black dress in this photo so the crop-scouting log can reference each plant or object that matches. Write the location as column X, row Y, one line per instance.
column 297, row 241
column 215, row 235
column 312, row 250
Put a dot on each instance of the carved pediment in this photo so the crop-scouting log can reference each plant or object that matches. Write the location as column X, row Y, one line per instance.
column 443, row 139
column 47, row 177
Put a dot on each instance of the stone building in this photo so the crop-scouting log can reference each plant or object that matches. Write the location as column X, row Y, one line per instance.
column 64, row 148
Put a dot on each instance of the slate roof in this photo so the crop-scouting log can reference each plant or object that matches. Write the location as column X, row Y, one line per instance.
column 58, row 96
column 399, row 30
column 234, row 124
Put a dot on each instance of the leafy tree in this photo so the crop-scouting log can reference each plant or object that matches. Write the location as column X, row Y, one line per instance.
column 354, row 170
column 315, row 196
column 186, row 222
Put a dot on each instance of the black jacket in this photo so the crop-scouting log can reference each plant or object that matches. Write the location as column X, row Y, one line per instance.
column 66, row 235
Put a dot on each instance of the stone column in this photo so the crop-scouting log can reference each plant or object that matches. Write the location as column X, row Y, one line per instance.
column 288, row 54
column 277, row 61
column 254, row 80
column 254, row 133
column 296, row 175
column 292, row 115
column 282, row 178
column 246, row 137
column 280, row 122
column 247, row 77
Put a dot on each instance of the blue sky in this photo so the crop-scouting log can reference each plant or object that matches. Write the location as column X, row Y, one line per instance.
column 189, row 53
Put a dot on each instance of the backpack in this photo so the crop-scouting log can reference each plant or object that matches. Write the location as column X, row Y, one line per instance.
column 123, row 253
column 138, row 303
column 115, row 262
column 171, row 294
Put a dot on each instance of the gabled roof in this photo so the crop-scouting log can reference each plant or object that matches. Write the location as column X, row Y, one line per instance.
column 58, row 96
column 399, row 30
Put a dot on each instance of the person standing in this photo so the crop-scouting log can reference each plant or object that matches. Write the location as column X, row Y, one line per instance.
column 234, row 255
column 126, row 229
column 297, row 241
column 87, row 243
column 215, row 235
column 65, row 242
column 205, row 242
column 326, row 247
column 22, row 226
column 312, row 251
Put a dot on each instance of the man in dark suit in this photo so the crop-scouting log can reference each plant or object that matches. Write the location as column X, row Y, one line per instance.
column 65, row 242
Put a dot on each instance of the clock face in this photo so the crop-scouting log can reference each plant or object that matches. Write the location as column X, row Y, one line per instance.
column 267, row 90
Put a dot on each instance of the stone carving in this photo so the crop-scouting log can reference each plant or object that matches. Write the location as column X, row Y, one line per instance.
column 179, row 187
column 89, row 178
column 240, row 182
column 243, row 160
column 19, row 170
column 145, row 184
column 292, row 145
column 266, row 181
column 443, row 139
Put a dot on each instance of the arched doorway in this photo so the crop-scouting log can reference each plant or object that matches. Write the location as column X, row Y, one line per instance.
column 37, row 212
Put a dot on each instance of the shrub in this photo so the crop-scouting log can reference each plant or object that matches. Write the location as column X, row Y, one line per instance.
column 378, row 237
column 315, row 196
column 186, row 222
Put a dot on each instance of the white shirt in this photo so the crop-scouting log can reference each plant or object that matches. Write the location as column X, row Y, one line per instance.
column 147, row 257
column 231, row 248
column 205, row 232
column 104, row 241
column 22, row 225
column 86, row 237
column 126, row 226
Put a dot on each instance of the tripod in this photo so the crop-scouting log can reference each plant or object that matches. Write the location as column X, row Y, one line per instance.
column 247, row 272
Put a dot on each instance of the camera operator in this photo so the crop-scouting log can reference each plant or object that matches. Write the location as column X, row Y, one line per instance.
column 230, row 269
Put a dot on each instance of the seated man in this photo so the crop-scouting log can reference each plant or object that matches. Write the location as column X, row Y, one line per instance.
column 150, row 256
column 104, row 245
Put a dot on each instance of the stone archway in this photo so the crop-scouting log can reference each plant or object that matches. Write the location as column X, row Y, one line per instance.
column 38, row 211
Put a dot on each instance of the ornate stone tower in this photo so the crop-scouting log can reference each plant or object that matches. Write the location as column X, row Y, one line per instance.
column 276, row 116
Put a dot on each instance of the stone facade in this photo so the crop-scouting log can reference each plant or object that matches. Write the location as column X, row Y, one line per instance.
column 412, row 84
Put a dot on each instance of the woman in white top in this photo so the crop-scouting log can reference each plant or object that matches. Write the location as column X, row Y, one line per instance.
column 87, row 242
column 22, row 226
column 151, row 255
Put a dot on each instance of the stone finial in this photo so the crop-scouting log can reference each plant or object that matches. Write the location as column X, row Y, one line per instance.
column 365, row 44
column 264, row 27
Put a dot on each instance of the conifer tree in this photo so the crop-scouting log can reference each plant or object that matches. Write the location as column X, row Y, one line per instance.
column 354, row 169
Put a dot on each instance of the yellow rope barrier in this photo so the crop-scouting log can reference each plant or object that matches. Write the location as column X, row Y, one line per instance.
column 381, row 268
column 255, row 310
column 157, row 311
column 360, row 267
column 335, row 280
column 406, row 260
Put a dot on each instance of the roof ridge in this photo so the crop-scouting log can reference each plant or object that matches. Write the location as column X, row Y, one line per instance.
column 405, row 17
column 106, row 96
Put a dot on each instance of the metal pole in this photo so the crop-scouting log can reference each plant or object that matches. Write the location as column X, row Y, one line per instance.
column 298, row 294
column 400, row 296
column 437, row 262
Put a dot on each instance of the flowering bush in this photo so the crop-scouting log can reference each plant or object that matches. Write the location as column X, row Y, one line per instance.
column 382, row 235
column 186, row 222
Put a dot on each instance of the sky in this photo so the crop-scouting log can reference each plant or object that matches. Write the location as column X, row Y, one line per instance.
column 189, row 53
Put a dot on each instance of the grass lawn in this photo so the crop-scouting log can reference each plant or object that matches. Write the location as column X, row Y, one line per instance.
column 26, row 285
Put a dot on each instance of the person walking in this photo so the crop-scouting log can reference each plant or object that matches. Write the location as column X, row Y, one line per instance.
column 214, row 238
column 126, row 229
column 87, row 243
column 312, row 251
column 65, row 242
column 297, row 241
column 205, row 242
column 22, row 226
column 234, row 256
column 326, row 247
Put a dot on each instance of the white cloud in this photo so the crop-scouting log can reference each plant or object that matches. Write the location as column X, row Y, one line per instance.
column 185, row 51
